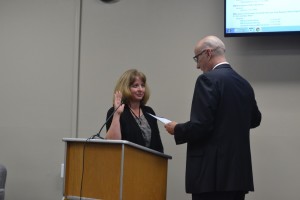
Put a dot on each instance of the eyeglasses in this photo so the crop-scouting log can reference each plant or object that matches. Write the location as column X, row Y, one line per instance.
column 199, row 54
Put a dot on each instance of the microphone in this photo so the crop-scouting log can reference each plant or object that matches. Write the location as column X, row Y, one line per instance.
column 110, row 116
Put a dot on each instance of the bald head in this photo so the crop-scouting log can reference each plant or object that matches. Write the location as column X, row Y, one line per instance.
column 211, row 42
column 215, row 52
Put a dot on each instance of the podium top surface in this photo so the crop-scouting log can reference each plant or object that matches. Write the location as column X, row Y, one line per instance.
column 123, row 142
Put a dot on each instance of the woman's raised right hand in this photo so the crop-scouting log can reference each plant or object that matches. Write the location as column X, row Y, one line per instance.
column 118, row 104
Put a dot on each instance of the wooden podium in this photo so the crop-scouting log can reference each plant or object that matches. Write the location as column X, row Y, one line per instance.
column 113, row 170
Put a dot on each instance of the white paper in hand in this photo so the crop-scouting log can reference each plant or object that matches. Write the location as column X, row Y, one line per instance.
column 163, row 120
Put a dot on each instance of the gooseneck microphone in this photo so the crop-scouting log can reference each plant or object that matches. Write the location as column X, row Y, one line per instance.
column 110, row 116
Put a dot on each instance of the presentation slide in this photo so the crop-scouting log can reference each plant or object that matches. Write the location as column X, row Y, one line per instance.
column 262, row 15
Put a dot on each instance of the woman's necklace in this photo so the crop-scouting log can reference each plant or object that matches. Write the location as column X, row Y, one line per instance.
column 137, row 117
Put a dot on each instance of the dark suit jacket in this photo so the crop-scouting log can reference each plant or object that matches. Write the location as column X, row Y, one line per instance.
column 217, row 136
column 131, row 131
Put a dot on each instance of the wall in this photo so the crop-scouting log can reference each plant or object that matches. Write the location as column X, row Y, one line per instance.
column 38, row 74
column 38, row 59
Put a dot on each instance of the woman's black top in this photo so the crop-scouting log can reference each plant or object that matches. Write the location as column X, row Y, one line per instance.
column 131, row 131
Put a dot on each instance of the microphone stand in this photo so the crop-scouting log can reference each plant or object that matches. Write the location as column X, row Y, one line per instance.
column 111, row 115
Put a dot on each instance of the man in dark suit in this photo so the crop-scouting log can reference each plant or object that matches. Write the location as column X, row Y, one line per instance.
column 223, row 111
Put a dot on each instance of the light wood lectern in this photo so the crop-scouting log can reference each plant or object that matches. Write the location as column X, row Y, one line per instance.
column 113, row 170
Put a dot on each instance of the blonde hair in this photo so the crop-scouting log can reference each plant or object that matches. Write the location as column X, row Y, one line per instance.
column 125, row 82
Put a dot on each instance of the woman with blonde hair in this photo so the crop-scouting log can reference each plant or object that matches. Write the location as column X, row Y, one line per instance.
column 130, row 119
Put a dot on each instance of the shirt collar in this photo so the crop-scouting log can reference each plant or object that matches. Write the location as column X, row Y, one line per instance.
column 220, row 64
